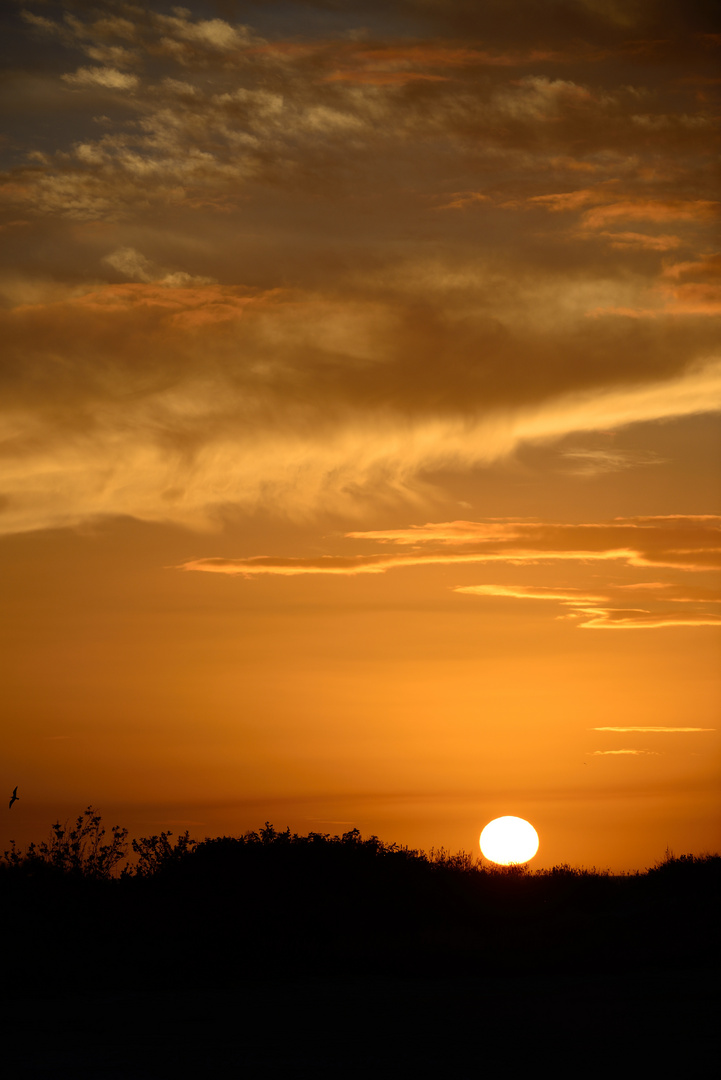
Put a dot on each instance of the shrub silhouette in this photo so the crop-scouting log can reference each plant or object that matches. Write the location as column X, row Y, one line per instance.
column 76, row 850
column 696, row 866
column 156, row 853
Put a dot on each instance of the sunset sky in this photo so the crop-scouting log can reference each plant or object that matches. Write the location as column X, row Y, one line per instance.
column 360, row 454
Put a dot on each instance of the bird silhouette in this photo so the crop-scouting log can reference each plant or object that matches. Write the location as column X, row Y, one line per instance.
column 14, row 798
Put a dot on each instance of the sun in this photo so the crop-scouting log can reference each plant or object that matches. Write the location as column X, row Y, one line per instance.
column 507, row 840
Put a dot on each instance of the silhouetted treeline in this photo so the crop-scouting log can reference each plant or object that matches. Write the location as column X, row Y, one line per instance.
column 275, row 903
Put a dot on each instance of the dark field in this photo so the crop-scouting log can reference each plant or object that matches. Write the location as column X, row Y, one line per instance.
column 280, row 955
column 366, row 1027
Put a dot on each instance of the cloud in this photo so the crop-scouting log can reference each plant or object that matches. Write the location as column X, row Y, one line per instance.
column 600, row 461
column 694, row 286
column 266, row 564
column 381, row 87
column 112, row 55
column 706, row 268
column 215, row 34
column 132, row 264
column 110, row 26
column 531, row 592
column 382, row 78
column 600, row 753
column 658, row 729
column 537, row 98
column 653, row 210
column 606, row 205
column 461, row 199
column 307, row 406
column 569, row 201
column 639, row 619
column 362, row 343
column 679, row 541
column 38, row 21
column 605, row 613
column 107, row 77
column 677, row 593
column 634, row 542
column 498, row 542
column 630, row 241
column 375, row 564
column 350, row 565
column 397, row 64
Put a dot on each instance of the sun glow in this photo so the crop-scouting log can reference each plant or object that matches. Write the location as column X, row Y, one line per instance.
column 509, row 840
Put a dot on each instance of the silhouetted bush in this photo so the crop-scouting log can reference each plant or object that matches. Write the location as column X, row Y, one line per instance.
column 156, row 853
column 76, row 850
column 696, row 867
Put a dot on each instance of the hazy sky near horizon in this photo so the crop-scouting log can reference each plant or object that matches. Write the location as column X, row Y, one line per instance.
column 359, row 397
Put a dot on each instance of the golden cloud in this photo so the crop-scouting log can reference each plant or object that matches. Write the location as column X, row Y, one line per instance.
column 280, row 398
column 638, row 619
column 599, row 753
column 654, row 210
column 659, row 729
column 188, row 149
column 693, row 541
column 531, row 592
column 607, row 612
column 633, row 542
column 107, row 77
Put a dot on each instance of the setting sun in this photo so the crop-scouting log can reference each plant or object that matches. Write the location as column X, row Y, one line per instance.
column 509, row 840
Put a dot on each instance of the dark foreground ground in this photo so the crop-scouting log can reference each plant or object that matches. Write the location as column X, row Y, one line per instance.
column 374, row 1027
column 283, row 956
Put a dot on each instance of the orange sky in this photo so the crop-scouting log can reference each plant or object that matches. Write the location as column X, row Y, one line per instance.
column 360, row 391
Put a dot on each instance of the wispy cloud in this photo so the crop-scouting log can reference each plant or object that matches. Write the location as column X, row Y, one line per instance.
column 652, row 210
column 459, row 200
column 637, row 753
column 107, row 77
column 640, row 619
column 606, row 617
column 531, row 592
column 674, row 542
column 266, row 564
column 596, row 618
column 596, row 462
column 653, row 728
column 611, row 611
column 134, row 265
column 351, row 565
column 680, row 541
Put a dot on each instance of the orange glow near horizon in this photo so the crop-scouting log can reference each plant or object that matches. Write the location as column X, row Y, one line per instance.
column 360, row 410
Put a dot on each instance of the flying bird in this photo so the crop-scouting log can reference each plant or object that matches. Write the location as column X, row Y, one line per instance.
column 14, row 798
